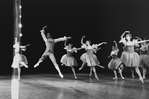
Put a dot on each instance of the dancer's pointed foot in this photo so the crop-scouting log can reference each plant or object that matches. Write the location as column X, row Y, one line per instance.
column 101, row 66
column 133, row 76
column 61, row 75
column 96, row 77
column 80, row 68
column 76, row 77
column 122, row 77
column 115, row 78
column 36, row 65
column 141, row 80
column 26, row 66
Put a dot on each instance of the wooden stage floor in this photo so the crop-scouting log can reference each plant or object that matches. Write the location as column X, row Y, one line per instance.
column 51, row 86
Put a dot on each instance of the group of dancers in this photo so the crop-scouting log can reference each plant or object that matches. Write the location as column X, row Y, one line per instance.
column 129, row 56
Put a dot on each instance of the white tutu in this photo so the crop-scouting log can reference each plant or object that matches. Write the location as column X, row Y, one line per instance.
column 90, row 59
column 68, row 60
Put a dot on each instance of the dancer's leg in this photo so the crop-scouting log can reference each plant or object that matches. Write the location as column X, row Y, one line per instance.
column 144, row 72
column 139, row 74
column 82, row 65
column 94, row 70
column 52, row 57
column 120, row 71
column 115, row 74
column 73, row 70
column 19, row 72
column 44, row 55
column 132, row 72
column 22, row 63
column 91, row 69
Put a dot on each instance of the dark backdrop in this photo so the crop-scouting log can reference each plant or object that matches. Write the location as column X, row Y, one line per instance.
column 98, row 20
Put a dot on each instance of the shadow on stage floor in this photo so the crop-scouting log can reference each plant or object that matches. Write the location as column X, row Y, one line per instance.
column 51, row 86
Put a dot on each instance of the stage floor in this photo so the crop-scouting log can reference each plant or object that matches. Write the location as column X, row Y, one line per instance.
column 51, row 86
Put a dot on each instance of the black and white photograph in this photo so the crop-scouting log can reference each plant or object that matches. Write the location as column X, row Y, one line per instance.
column 74, row 49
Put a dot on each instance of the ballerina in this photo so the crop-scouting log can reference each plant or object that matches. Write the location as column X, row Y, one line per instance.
column 19, row 60
column 115, row 63
column 144, row 56
column 49, row 42
column 68, row 59
column 129, row 57
column 89, row 57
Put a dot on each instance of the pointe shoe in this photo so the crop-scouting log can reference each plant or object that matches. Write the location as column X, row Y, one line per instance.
column 36, row 65
column 141, row 80
column 97, row 78
column 115, row 78
column 80, row 68
column 122, row 77
column 133, row 76
column 101, row 66
column 75, row 77
column 61, row 75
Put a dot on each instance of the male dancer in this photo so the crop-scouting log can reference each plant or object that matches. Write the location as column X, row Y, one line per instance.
column 49, row 42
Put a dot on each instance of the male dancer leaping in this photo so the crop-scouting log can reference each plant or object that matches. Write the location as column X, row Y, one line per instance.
column 49, row 42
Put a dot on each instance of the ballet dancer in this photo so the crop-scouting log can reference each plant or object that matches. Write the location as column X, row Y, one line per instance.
column 144, row 56
column 115, row 63
column 68, row 59
column 49, row 42
column 129, row 57
column 19, row 59
column 89, row 57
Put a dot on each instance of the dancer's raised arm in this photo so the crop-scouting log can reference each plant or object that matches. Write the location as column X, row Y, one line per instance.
column 65, row 43
column 82, row 40
column 43, row 35
column 122, row 40
column 115, row 44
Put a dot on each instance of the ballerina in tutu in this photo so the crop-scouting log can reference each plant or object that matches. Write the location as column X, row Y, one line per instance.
column 115, row 63
column 144, row 57
column 49, row 42
column 19, row 60
column 129, row 57
column 89, row 57
column 68, row 59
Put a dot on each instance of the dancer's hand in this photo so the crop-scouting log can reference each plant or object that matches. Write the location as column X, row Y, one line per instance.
column 80, row 68
column 68, row 37
column 42, row 31
column 104, row 42
column 83, row 36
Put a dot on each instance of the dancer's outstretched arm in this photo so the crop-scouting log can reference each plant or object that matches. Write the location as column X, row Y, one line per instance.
column 101, row 43
column 61, row 39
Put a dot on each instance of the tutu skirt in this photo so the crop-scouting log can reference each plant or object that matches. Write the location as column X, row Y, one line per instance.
column 130, row 59
column 114, row 63
column 17, row 59
column 90, row 59
column 144, row 60
column 68, row 60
